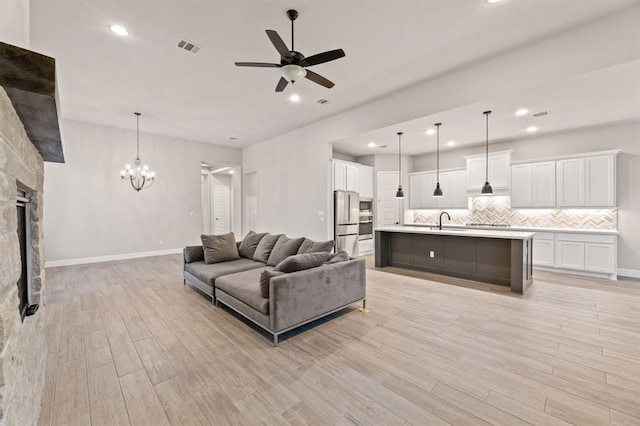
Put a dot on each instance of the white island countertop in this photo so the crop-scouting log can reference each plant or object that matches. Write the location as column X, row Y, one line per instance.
column 466, row 232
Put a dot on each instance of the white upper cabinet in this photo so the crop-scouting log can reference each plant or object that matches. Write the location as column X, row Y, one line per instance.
column 600, row 188
column 570, row 183
column 522, row 185
column 499, row 172
column 453, row 185
column 421, row 186
column 587, row 182
column 339, row 176
column 365, row 181
column 533, row 185
column 544, row 184
column 352, row 177
column 349, row 176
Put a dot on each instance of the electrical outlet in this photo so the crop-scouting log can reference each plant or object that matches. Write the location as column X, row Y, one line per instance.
column 320, row 212
column 321, row 218
column 432, row 254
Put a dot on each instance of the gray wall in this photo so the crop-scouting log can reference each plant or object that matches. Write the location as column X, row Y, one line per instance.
column 623, row 136
column 91, row 212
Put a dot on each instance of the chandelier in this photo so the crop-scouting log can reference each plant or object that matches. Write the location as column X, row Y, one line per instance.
column 140, row 176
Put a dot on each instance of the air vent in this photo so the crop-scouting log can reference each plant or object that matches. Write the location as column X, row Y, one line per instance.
column 188, row 46
column 541, row 114
column 322, row 101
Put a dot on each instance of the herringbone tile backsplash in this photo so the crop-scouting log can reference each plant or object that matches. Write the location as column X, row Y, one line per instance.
column 498, row 210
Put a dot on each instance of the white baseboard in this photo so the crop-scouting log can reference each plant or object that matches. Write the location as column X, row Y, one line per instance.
column 612, row 277
column 632, row 273
column 83, row 260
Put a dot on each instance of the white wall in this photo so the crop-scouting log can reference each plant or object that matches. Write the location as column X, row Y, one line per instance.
column 624, row 136
column 91, row 212
column 14, row 22
column 294, row 183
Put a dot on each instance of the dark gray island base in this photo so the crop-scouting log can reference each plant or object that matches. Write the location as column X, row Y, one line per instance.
column 496, row 257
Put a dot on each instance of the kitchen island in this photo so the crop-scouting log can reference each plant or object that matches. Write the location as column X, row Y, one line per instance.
column 496, row 257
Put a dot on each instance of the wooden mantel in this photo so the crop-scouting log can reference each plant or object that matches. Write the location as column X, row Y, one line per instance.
column 29, row 79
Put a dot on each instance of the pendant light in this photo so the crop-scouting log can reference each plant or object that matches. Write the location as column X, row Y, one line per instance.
column 486, row 188
column 139, row 176
column 400, row 193
column 438, row 191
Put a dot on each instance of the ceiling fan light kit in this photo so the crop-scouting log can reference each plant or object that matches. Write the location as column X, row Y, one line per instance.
column 293, row 64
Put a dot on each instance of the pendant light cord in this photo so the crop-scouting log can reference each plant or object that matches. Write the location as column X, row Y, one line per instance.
column 399, row 158
column 137, row 135
column 438, row 153
column 486, row 114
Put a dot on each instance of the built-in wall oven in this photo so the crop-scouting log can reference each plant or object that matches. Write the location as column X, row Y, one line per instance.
column 365, row 223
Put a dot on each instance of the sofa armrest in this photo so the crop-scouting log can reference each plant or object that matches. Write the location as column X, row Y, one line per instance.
column 300, row 296
column 193, row 254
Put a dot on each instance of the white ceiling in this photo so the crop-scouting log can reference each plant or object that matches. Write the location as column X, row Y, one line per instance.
column 389, row 45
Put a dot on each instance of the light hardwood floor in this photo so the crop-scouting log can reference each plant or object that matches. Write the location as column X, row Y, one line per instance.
column 129, row 344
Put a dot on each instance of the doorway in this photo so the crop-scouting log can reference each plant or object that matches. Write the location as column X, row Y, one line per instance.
column 389, row 207
column 216, row 193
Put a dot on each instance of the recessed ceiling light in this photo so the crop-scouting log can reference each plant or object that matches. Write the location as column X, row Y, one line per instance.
column 531, row 129
column 522, row 111
column 451, row 143
column 119, row 29
column 294, row 98
column 492, row 1
column 431, row 132
column 371, row 144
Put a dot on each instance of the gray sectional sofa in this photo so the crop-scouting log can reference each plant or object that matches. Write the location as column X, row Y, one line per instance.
column 254, row 285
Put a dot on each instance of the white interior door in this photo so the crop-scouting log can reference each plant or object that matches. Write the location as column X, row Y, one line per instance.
column 388, row 205
column 221, row 210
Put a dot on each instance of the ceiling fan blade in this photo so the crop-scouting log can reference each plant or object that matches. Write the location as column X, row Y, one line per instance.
column 281, row 84
column 278, row 43
column 323, row 57
column 317, row 78
column 257, row 64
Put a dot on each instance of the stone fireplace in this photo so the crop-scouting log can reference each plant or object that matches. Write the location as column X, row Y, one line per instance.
column 29, row 135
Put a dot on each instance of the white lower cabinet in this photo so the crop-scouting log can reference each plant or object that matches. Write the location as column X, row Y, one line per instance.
column 544, row 249
column 365, row 246
column 586, row 252
column 570, row 255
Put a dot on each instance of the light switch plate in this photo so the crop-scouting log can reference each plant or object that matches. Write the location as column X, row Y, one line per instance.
column 432, row 254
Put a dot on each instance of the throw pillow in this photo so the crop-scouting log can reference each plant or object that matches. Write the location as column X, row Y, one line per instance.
column 265, row 277
column 301, row 262
column 310, row 246
column 263, row 250
column 219, row 248
column 284, row 248
column 341, row 256
column 249, row 244
column 193, row 254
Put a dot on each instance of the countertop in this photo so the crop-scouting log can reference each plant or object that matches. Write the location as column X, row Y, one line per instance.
column 459, row 232
column 521, row 228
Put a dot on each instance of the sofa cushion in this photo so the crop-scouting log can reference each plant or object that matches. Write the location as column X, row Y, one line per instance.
column 284, row 248
column 193, row 254
column 310, row 246
column 249, row 244
column 209, row 273
column 263, row 250
column 265, row 277
column 300, row 262
column 219, row 248
column 341, row 256
column 245, row 286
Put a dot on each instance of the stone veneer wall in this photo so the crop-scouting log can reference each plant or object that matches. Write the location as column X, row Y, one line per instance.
column 498, row 210
column 22, row 345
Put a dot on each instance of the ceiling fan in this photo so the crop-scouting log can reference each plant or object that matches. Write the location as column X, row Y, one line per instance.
column 293, row 65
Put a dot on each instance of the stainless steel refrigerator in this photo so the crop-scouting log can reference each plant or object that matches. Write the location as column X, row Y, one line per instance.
column 346, row 208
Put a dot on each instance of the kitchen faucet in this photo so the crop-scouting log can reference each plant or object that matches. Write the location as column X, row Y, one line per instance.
column 440, row 221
